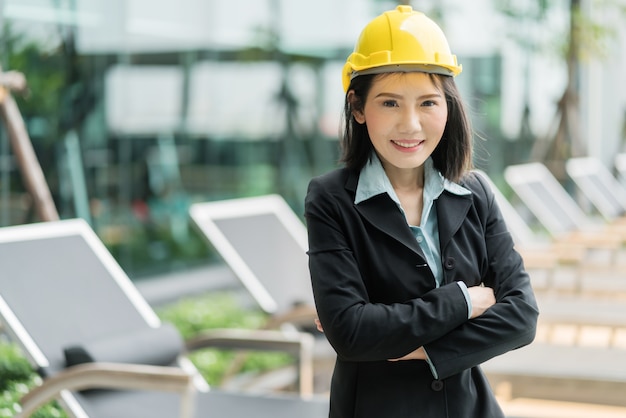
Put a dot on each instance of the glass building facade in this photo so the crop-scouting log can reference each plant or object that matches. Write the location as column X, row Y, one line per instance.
column 137, row 108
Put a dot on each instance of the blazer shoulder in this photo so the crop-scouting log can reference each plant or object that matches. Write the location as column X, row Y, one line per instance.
column 481, row 190
column 477, row 184
column 330, row 190
column 333, row 182
column 333, row 177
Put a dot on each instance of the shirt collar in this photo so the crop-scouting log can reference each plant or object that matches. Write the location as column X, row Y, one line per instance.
column 374, row 181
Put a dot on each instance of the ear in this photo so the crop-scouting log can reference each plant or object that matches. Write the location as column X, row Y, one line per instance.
column 357, row 107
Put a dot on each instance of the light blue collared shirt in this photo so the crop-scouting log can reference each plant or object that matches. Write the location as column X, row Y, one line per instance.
column 374, row 181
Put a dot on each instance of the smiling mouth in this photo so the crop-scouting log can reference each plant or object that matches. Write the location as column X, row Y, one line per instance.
column 408, row 144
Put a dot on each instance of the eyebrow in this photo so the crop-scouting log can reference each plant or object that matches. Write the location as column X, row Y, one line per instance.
column 399, row 96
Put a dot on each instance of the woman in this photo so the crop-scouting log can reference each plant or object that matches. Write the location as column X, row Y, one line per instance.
column 415, row 278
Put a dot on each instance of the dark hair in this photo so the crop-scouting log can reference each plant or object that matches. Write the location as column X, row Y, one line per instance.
column 452, row 157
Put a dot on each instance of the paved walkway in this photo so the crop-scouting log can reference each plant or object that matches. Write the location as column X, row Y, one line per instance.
column 533, row 408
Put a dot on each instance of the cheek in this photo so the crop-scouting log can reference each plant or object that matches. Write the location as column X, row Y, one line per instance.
column 377, row 121
column 439, row 122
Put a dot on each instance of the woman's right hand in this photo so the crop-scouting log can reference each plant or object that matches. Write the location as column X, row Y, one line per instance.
column 318, row 325
column 482, row 298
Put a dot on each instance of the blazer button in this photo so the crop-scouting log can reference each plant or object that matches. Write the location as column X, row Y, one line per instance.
column 436, row 385
column 448, row 264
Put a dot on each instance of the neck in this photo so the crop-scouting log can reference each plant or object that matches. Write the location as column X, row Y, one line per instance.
column 406, row 180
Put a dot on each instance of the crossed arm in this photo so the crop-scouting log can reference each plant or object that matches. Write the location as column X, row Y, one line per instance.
column 482, row 298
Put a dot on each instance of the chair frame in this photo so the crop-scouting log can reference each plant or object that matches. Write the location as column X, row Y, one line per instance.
column 183, row 378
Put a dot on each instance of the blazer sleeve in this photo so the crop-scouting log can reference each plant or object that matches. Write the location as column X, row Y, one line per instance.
column 357, row 328
column 511, row 322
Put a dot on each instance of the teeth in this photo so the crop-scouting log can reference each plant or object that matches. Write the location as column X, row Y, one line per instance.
column 406, row 145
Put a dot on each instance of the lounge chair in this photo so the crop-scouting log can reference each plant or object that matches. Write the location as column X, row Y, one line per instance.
column 83, row 325
column 548, row 369
column 552, row 264
column 599, row 186
column 559, row 213
column 561, row 264
column 265, row 243
column 539, row 251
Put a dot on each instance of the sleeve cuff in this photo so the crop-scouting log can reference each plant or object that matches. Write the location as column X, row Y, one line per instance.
column 467, row 298
column 431, row 365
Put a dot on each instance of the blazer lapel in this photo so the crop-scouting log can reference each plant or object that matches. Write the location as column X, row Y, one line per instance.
column 384, row 214
column 451, row 211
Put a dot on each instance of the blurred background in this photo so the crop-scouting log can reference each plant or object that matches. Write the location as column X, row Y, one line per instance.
column 138, row 108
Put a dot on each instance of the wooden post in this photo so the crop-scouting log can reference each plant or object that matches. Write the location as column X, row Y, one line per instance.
column 34, row 179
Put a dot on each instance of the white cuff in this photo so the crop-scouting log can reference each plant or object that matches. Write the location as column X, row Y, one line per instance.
column 432, row 367
column 463, row 287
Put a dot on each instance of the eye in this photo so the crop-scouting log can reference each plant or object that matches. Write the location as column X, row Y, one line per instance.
column 429, row 103
column 390, row 103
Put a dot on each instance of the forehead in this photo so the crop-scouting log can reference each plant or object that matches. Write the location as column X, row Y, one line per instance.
column 407, row 80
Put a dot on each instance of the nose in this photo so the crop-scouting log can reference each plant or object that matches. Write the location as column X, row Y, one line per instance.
column 410, row 121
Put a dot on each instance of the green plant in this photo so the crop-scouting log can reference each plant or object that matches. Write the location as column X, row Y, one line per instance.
column 191, row 316
column 16, row 378
column 13, row 366
column 220, row 310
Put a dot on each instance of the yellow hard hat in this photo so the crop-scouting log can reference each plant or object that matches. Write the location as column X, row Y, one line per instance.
column 400, row 40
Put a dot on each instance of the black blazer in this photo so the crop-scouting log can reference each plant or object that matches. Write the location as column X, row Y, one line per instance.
column 376, row 299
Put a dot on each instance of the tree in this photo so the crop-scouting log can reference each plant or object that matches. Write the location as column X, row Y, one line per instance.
column 584, row 38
